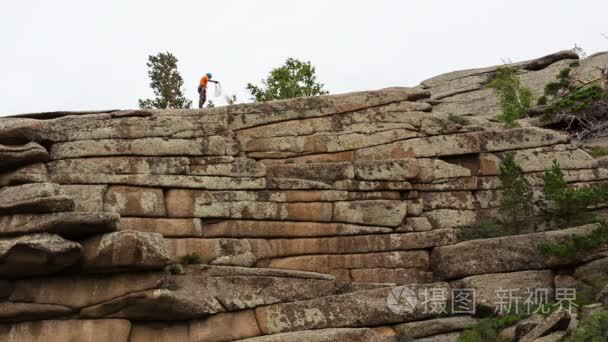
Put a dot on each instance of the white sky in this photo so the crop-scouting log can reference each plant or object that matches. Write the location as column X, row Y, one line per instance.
column 80, row 55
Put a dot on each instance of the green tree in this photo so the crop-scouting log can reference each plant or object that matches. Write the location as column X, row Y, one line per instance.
column 569, row 204
column 516, row 201
column 293, row 79
column 513, row 97
column 166, row 82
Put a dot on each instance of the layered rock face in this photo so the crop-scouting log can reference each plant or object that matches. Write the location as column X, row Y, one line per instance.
column 305, row 216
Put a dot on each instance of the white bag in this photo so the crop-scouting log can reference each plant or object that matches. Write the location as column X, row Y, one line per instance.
column 218, row 90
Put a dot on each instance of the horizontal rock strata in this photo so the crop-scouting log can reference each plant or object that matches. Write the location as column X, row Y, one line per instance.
column 323, row 218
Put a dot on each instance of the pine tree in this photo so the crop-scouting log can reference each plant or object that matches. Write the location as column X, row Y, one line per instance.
column 166, row 82
column 516, row 202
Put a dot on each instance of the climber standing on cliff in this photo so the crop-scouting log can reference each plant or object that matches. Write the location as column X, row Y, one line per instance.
column 202, row 89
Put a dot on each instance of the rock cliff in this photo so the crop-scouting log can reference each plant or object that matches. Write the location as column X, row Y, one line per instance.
column 294, row 220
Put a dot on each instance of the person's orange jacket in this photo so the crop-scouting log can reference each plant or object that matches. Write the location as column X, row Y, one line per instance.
column 204, row 81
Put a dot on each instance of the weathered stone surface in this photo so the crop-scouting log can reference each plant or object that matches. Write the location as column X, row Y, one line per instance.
column 16, row 312
column 250, row 115
column 208, row 146
column 164, row 226
column 336, row 157
column 594, row 273
column 361, row 308
column 398, row 169
column 503, row 254
column 71, row 224
column 34, row 198
column 330, row 335
column 110, row 126
column 87, row 198
column 262, row 229
column 461, row 200
column 241, row 167
column 13, row 156
column 360, row 185
column 380, row 213
column 292, row 146
column 272, row 248
column 440, row 145
column 122, row 165
column 37, row 254
column 389, row 276
column 541, row 159
column 393, row 116
column 558, row 320
column 134, row 201
column 33, row 173
column 312, row 212
column 519, row 138
column 434, row 326
column 125, row 250
column 416, row 224
column 187, row 203
column 450, row 218
column 326, row 263
column 324, row 172
column 219, row 327
column 78, row 291
column 291, row 183
column 436, row 169
column 221, row 251
column 488, row 287
column 167, row 181
column 102, row 330
column 515, row 331
column 195, row 294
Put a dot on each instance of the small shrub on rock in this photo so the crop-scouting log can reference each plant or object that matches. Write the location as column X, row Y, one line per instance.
column 570, row 205
column 458, row 119
column 483, row 230
column 573, row 245
column 593, row 328
column 176, row 269
column 513, row 97
column 190, row 259
column 488, row 329
column 598, row 151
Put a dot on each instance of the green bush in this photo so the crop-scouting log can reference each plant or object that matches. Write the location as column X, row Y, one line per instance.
column 516, row 202
column 575, row 244
column 598, row 151
column 190, row 259
column 176, row 269
column 562, row 83
column 513, row 97
column 488, row 329
column 570, row 204
column 458, row 119
column 578, row 100
column 483, row 230
column 541, row 101
column 593, row 328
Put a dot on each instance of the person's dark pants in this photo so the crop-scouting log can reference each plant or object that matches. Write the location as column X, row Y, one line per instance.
column 202, row 97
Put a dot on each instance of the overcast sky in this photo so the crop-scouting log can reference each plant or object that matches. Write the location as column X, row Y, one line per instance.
column 81, row 55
